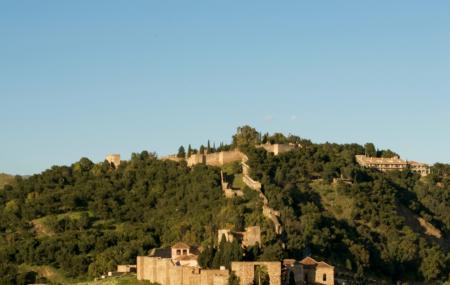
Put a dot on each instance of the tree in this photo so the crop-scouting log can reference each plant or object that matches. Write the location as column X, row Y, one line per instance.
column 291, row 278
column 205, row 259
column 233, row 279
column 261, row 276
column 370, row 150
column 189, row 152
column 181, row 152
column 433, row 263
column 246, row 136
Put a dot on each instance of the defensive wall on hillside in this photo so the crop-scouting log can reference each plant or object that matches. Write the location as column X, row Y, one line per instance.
column 165, row 272
column 246, row 271
column 268, row 212
column 216, row 158
column 113, row 159
column 251, row 236
column 228, row 191
column 276, row 149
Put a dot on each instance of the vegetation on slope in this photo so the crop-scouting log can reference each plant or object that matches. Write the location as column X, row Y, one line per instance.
column 5, row 179
column 349, row 215
column 86, row 218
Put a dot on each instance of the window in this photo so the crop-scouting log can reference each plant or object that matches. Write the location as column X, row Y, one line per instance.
column 324, row 277
column 178, row 252
column 184, row 251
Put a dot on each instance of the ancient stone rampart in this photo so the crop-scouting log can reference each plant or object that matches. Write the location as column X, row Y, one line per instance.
column 113, row 159
column 172, row 158
column 276, row 149
column 216, row 158
column 227, row 190
column 251, row 236
column 165, row 272
column 268, row 212
column 246, row 271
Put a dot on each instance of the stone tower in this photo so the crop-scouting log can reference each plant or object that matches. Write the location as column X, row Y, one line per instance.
column 113, row 159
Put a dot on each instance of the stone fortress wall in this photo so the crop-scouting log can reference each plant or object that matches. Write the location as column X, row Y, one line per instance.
column 246, row 271
column 113, row 159
column 277, row 149
column 216, row 158
column 165, row 272
column 251, row 236
column 268, row 212
column 228, row 191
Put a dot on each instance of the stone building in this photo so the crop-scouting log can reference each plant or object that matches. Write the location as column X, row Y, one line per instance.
column 177, row 266
column 251, row 236
column 180, row 254
column 113, row 159
column 308, row 271
column 126, row 268
column 245, row 270
column 167, row 267
column 393, row 163
column 165, row 272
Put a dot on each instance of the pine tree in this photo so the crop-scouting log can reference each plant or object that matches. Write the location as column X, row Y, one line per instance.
column 189, row 152
column 181, row 152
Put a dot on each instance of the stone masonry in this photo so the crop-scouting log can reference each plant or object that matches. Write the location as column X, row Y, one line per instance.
column 246, row 271
column 165, row 272
column 251, row 236
column 268, row 212
column 113, row 159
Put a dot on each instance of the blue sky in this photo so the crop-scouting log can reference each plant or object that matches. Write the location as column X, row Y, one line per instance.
column 87, row 78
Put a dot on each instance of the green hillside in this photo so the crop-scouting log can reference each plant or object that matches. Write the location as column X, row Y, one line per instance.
column 5, row 179
column 84, row 219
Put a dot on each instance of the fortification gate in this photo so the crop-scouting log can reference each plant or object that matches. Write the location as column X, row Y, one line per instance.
column 246, row 271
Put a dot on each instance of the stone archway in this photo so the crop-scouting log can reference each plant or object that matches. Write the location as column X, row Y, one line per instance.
column 246, row 271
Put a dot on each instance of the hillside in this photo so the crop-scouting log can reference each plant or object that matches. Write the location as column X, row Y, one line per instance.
column 5, row 179
column 86, row 218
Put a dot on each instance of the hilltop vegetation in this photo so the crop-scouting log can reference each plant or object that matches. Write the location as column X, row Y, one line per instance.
column 86, row 218
column 5, row 179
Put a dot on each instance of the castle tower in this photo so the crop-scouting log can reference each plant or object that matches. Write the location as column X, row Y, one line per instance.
column 113, row 159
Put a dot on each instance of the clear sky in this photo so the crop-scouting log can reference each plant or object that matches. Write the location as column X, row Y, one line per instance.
column 88, row 78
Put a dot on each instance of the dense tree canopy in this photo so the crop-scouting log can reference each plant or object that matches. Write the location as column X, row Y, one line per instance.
column 86, row 218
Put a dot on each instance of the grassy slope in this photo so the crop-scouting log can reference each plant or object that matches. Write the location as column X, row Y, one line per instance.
column 340, row 206
column 43, row 229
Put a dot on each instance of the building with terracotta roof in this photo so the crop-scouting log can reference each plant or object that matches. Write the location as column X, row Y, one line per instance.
column 308, row 271
column 392, row 163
